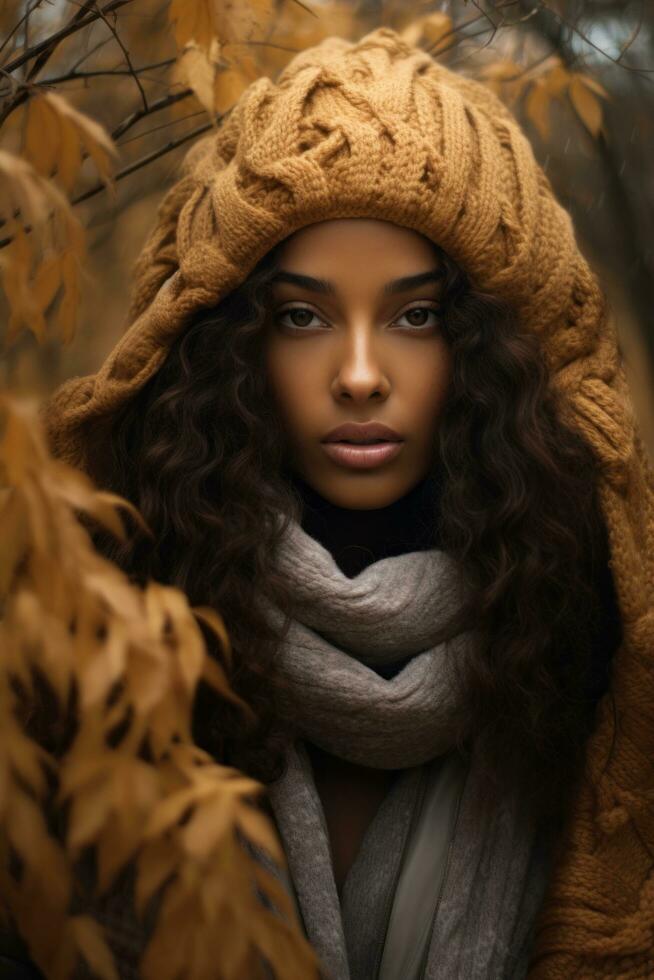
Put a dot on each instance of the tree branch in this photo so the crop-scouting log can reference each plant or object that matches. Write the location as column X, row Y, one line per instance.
column 19, row 23
column 75, row 75
column 575, row 30
column 50, row 43
column 137, row 165
column 128, row 60
column 144, row 161
column 157, row 106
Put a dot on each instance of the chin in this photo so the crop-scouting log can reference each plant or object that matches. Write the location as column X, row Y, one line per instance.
column 369, row 490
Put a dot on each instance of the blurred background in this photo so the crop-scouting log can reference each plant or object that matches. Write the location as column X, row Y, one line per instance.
column 579, row 74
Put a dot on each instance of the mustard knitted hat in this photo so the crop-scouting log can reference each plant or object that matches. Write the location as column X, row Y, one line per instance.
column 378, row 129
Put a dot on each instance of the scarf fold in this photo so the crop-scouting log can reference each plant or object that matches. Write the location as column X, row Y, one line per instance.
column 347, row 628
column 450, row 890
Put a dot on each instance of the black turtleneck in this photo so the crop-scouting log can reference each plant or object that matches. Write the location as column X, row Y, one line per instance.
column 357, row 538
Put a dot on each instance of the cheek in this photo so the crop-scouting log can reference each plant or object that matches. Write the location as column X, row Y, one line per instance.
column 293, row 387
column 427, row 383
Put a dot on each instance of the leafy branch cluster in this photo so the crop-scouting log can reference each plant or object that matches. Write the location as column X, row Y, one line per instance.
column 97, row 680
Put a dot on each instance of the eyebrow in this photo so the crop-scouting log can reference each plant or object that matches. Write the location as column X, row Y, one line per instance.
column 327, row 288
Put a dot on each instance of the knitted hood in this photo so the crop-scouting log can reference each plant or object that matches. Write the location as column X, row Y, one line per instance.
column 378, row 129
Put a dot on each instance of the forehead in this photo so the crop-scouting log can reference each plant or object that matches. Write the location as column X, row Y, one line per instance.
column 363, row 241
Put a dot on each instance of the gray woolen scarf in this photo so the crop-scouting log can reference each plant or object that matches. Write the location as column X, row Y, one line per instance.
column 445, row 885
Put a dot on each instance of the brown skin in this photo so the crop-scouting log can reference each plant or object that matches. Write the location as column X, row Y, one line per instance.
column 356, row 355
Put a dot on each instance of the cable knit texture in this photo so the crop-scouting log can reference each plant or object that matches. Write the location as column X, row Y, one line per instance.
column 377, row 128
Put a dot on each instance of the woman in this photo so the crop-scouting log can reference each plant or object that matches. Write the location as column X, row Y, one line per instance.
column 429, row 631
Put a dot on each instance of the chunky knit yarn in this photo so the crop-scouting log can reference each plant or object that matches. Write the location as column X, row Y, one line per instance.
column 378, row 129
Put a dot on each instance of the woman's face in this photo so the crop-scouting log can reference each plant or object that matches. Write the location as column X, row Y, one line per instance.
column 349, row 343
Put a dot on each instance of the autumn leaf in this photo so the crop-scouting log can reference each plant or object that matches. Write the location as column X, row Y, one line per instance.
column 196, row 70
column 204, row 21
column 41, row 261
column 537, row 106
column 93, row 946
column 57, row 136
column 174, row 811
column 583, row 92
column 217, row 77
column 505, row 77
column 429, row 28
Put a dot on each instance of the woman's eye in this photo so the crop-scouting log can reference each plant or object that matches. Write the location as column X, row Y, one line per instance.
column 418, row 315
column 301, row 317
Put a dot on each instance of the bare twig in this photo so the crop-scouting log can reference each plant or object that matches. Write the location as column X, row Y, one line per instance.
column 50, row 43
column 144, row 161
column 157, row 106
column 137, row 165
column 156, row 129
column 30, row 9
column 90, row 52
column 128, row 60
column 25, row 91
column 308, row 9
column 457, row 30
column 584, row 37
column 45, row 56
column 75, row 75
column 14, row 103
column 634, row 34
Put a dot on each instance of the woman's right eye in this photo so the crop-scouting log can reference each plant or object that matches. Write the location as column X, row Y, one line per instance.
column 302, row 317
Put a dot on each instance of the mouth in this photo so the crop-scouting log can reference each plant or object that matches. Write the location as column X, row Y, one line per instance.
column 362, row 445
column 362, row 455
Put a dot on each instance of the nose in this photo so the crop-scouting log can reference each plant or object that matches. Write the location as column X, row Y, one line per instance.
column 360, row 374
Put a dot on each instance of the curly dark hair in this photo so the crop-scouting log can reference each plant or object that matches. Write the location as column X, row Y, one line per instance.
column 200, row 451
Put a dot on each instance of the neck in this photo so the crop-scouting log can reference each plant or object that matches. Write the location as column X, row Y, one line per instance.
column 357, row 538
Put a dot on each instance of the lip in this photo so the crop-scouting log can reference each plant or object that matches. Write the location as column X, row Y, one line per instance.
column 362, row 457
column 362, row 432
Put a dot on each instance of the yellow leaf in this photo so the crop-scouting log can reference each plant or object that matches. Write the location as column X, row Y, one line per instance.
column 193, row 20
column 537, row 106
column 14, row 538
column 214, row 621
column 118, row 843
column 435, row 26
column 229, row 84
column 196, row 71
column 66, row 314
column 92, row 944
column 88, row 813
column 557, row 79
column 27, row 831
column 69, row 159
column 586, row 105
column 68, row 132
column 503, row 70
column 42, row 136
column 21, row 188
column 205, row 21
column 505, row 77
column 169, row 811
column 35, row 199
column 210, row 824
column 154, row 865
column 47, row 281
column 412, row 32
column 29, row 760
column 593, row 84
column 258, row 828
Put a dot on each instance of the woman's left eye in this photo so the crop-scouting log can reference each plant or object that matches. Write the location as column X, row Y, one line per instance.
column 303, row 312
column 421, row 311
